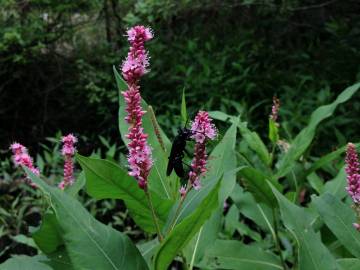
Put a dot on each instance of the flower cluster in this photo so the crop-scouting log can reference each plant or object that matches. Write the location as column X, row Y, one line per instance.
column 135, row 65
column 353, row 178
column 22, row 157
column 202, row 129
column 275, row 109
column 353, row 173
column 137, row 60
column 68, row 151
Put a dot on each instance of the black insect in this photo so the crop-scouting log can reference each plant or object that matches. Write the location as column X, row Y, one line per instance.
column 177, row 152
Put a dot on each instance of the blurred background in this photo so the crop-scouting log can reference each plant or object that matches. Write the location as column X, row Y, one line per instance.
column 56, row 60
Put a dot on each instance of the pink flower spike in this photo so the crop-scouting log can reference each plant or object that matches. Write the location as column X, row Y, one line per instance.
column 135, row 66
column 275, row 109
column 22, row 158
column 352, row 170
column 68, row 151
column 203, row 129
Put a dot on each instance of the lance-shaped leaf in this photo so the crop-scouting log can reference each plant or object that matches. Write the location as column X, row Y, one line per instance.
column 305, row 137
column 339, row 217
column 312, row 253
column 256, row 183
column 89, row 243
column 230, row 254
column 185, row 231
column 105, row 180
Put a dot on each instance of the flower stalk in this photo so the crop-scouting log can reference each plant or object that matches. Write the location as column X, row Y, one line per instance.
column 133, row 68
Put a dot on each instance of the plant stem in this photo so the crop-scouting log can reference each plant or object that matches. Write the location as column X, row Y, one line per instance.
column 148, row 196
column 156, row 127
column 277, row 242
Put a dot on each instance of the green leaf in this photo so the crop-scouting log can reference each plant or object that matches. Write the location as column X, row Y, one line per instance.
column 231, row 254
column 89, row 243
column 158, row 181
column 339, row 218
column 349, row 264
column 255, row 143
column 256, row 183
column 257, row 212
column 24, row 262
column 337, row 185
column 148, row 250
column 184, row 115
column 185, row 231
column 273, row 131
column 48, row 236
column 311, row 251
column 105, row 180
column 58, row 260
column 23, row 239
column 305, row 137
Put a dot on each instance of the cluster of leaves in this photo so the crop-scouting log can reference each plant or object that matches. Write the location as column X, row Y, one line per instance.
column 287, row 208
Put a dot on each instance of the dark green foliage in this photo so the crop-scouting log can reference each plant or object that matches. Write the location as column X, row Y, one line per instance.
column 56, row 58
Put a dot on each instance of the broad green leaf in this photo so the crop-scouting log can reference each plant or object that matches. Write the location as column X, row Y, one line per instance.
column 24, row 263
column 316, row 182
column 48, row 236
column 231, row 254
column 89, row 243
column 256, row 183
column 273, row 131
column 58, row 260
column 339, row 218
column 337, row 185
column 349, row 264
column 148, row 250
column 312, row 254
column 257, row 212
column 105, row 180
column 305, row 137
column 255, row 143
column 23, row 239
column 192, row 201
column 222, row 161
column 158, row 181
column 185, row 231
column 184, row 115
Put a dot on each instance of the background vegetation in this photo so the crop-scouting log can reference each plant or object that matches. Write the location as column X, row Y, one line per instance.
column 56, row 61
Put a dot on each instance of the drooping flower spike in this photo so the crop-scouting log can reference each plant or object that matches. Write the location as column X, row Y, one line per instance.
column 203, row 130
column 68, row 151
column 21, row 157
column 135, row 66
